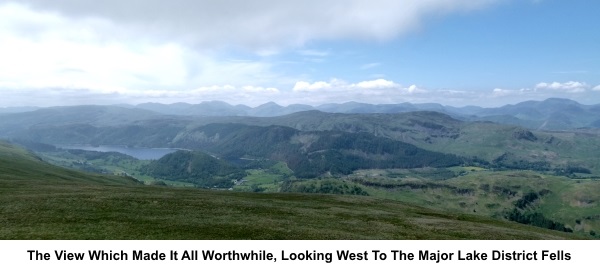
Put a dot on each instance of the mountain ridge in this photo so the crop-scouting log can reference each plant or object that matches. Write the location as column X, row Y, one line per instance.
column 432, row 131
column 549, row 114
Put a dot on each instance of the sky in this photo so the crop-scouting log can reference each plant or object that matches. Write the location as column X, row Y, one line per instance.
column 453, row 52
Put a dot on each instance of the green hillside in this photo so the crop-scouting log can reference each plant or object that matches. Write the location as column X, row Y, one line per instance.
column 503, row 146
column 492, row 142
column 504, row 172
column 41, row 201
column 21, row 166
column 310, row 154
column 572, row 203
column 195, row 167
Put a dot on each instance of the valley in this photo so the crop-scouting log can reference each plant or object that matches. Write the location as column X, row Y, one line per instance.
column 403, row 171
column 42, row 201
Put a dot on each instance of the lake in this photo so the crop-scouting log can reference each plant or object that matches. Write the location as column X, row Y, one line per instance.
column 136, row 152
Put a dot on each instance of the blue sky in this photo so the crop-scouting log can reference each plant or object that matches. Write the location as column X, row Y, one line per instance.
column 454, row 52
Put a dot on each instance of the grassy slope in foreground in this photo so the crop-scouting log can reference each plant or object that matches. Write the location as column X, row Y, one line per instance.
column 40, row 201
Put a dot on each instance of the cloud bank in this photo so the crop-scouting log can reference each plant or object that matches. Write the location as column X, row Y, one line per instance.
column 569, row 87
column 256, row 24
column 67, row 52
column 138, row 46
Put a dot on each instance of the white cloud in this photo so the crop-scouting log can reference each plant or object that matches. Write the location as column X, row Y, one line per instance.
column 373, row 91
column 114, row 51
column 415, row 89
column 302, row 86
column 111, row 49
column 577, row 91
column 259, row 89
column 259, row 24
column 340, row 85
column 47, row 50
column 498, row 92
column 376, row 84
column 570, row 86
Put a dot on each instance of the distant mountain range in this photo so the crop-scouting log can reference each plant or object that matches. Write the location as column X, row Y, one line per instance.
column 504, row 145
column 550, row 114
column 456, row 159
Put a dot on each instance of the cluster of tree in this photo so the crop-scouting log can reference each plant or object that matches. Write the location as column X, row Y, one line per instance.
column 195, row 167
column 511, row 162
column 523, row 134
column 536, row 219
column 333, row 152
column 413, row 185
column 262, row 163
column 499, row 190
column 526, row 200
column 430, row 173
column 521, row 215
column 540, row 166
column 571, row 170
column 233, row 141
column 325, row 186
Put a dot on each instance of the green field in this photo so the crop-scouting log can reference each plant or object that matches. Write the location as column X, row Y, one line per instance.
column 573, row 202
column 42, row 201
column 462, row 189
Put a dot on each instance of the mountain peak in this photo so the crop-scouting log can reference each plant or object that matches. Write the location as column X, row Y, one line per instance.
column 270, row 104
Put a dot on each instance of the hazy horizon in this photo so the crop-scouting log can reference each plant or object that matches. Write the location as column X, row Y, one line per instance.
column 453, row 52
column 286, row 105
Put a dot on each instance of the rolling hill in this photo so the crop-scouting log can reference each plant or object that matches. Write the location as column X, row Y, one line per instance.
column 41, row 201
column 501, row 145
column 195, row 167
column 312, row 153
column 408, row 157
column 549, row 114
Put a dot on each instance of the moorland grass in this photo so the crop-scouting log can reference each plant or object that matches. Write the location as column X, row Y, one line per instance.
column 41, row 201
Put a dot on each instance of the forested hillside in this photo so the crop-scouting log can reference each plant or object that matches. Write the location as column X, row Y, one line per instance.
column 41, row 201
column 310, row 154
column 195, row 167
